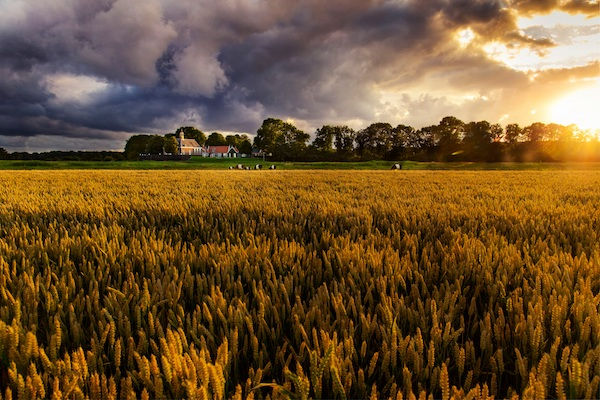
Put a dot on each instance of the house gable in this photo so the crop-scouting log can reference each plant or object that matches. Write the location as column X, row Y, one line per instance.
column 222, row 150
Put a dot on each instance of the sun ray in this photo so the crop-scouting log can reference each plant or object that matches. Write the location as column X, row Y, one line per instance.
column 579, row 107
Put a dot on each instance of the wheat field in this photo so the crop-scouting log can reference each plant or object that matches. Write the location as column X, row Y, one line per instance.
column 299, row 284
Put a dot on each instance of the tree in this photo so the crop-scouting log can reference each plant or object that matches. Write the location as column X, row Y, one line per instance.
column 241, row 142
column 374, row 140
column 245, row 147
column 236, row 140
column 535, row 132
column 170, row 145
column 3, row 154
column 401, row 136
column 535, row 149
column 135, row 146
column 282, row 139
column 155, row 144
column 496, row 132
column 419, row 140
column 344, row 139
column 216, row 139
column 324, row 138
column 477, row 139
column 192, row 133
column 425, row 138
column 449, row 133
column 556, row 132
column 513, row 133
column 232, row 140
column 477, row 134
column 268, row 134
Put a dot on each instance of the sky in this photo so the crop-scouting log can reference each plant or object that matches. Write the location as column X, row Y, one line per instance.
column 88, row 74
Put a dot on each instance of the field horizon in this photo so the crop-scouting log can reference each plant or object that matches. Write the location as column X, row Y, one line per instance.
column 200, row 163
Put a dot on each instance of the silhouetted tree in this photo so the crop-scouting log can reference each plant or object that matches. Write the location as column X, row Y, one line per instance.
column 451, row 139
column 216, row 139
column 375, row 140
column 418, row 141
column 535, row 132
column 534, row 149
column 324, row 138
column 447, row 136
column 401, row 138
column 344, row 139
column 497, row 132
column 556, row 132
column 426, row 139
column 69, row 156
column 513, row 134
column 477, row 139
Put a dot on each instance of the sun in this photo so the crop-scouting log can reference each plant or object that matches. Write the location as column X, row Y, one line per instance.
column 581, row 107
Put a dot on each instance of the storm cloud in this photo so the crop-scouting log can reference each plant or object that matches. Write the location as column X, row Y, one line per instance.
column 89, row 73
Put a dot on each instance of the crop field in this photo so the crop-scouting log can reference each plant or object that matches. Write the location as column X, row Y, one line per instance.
column 299, row 284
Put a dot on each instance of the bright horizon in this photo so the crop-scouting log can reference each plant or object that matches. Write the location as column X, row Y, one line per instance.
column 80, row 75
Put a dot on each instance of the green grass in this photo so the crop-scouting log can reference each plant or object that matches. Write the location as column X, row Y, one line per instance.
column 215, row 163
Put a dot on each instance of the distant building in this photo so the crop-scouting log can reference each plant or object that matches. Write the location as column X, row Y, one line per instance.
column 189, row 146
column 227, row 151
column 256, row 152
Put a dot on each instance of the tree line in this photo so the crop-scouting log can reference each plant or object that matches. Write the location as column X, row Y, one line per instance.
column 63, row 155
column 159, row 144
column 450, row 140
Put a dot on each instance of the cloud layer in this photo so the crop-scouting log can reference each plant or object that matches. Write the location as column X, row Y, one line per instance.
column 104, row 69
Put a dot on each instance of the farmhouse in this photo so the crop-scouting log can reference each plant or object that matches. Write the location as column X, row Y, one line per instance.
column 189, row 146
column 223, row 151
column 256, row 152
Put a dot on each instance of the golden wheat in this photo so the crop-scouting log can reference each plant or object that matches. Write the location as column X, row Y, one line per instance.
column 172, row 284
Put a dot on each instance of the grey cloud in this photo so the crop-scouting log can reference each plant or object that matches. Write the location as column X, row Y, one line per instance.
column 559, row 75
column 124, row 42
column 562, row 34
column 228, row 65
column 534, row 42
column 39, row 143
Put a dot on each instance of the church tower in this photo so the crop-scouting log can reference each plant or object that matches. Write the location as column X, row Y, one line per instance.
column 181, row 136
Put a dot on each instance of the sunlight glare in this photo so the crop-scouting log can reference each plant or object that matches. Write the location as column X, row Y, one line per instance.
column 579, row 107
column 465, row 36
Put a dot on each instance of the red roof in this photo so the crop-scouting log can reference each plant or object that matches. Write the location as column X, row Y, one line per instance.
column 220, row 149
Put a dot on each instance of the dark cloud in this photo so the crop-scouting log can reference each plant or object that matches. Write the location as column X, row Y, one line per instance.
column 102, row 69
column 592, row 8
column 589, row 7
